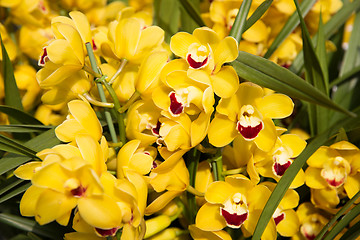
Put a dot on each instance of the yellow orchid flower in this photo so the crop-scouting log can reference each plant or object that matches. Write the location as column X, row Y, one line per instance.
column 312, row 220
column 286, row 220
column 143, row 122
column 82, row 119
column 82, row 4
column 236, row 203
column 128, row 39
column 103, row 15
column 204, row 50
column 198, row 234
column 32, row 40
column 26, row 82
column 248, row 113
column 32, row 13
column 132, row 156
column 333, row 170
column 65, row 54
column 8, row 43
column 204, row 177
column 288, row 50
column 170, row 176
column 273, row 164
column 51, row 114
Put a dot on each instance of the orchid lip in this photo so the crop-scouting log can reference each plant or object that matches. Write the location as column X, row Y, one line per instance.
column 279, row 218
column 106, row 232
column 279, row 169
column 194, row 64
column 79, row 191
column 44, row 57
column 334, row 183
column 249, row 132
column 233, row 220
column 176, row 108
column 156, row 130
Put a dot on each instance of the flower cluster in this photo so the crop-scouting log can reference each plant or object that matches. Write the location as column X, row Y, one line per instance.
column 154, row 132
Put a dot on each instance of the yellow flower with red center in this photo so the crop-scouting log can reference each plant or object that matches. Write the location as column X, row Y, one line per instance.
column 204, row 50
column 331, row 169
column 312, row 220
column 285, row 217
column 236, row 203
column 274, row 163
column 248, row 113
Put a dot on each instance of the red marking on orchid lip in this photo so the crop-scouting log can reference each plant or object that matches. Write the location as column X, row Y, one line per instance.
column 79, row 191
column 44, row 57
column 194, row 64
column 281, row 168
column 334, row 183
column 42, row 6
column 233, row 219
column 94, row 45
column 310, row 237
column 286, row 65
column 279, row 218
column 156, row 130
column 175, row 107
column 249, row 132
column 154, row 165
column 106, row 232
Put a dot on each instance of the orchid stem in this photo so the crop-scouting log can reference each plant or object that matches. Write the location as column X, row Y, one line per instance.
column 217, row 167
column 95, row 102
column 101, row 92
column 92, row 72
column 234, row 171
column 122, row 65
column 117, row 105
column 194, row 192
column 132, row 99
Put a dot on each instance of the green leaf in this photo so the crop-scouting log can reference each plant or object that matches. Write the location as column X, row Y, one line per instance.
column 294, row 168
column 337, row 216
column 352, row 233
column 44, row 140
column 343, row 223
column 195, row 20
column 270, row 75
column 15, row 192
column 24, row 128
column 9, row 184
column 12, row 95
column 167, row 16
column 345, row 77
column 330, row 28
column 19, row 115
column 289, row 26
column 238, row 27
column 29, row 225
column 258, row 13
column 10, row 145
column 315, row 72
column 345, row 95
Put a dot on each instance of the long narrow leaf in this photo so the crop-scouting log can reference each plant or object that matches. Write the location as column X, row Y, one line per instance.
column 192, row 12
column 345, row 77
column 339, row 226
column 44, row 140
column 12, row 95
column 258, row 13
column 9, row 184
column 24, row 128
column 15, row 192
column 239, row 24
column 294, row 168
column 10, row 145
column 337, row 216
column 26, row 224
column 345, row 94
column 352, row 233
column 19, row 115
column 268, row 74
column 330, row 28
column 167, row 16
column 289, row 26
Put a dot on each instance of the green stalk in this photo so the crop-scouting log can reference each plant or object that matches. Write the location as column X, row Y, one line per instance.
column 120, row 116
column 240, row 20
column 217, row 167
column 192, row 164
column 101, row 93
